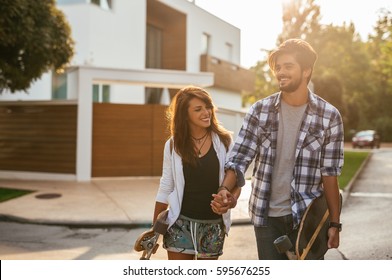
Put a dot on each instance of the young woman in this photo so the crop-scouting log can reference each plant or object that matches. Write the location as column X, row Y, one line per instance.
column 193, row 168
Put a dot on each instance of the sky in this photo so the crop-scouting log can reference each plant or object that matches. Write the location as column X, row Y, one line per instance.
column 260, row 20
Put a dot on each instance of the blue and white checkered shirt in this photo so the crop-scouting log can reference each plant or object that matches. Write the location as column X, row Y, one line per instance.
column 319, row 152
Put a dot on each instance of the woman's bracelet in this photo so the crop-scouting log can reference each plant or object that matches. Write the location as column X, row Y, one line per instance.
column 223, row 188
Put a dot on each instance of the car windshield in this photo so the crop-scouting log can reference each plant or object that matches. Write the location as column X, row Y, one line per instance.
column 365, row 133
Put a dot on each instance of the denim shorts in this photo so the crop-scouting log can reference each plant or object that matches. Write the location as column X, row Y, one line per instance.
column 203, row 238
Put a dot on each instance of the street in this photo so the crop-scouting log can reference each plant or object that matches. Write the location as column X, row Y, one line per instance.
column 40, row 242
column 366, row 235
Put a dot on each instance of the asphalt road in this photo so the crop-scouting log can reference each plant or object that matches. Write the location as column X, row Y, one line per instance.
column 367, row 213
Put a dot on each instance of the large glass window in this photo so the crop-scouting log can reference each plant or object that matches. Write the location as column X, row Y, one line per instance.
column 59, row 86
column 153, row 95
column 101, row 93
column 154, row 47
column 104, row 4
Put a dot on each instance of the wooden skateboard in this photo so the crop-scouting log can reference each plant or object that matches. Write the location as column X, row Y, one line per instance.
column 148, row 240
column 311, row 243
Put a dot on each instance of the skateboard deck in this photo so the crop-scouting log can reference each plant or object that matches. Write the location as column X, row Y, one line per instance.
column 148, row 240
column 311, row 242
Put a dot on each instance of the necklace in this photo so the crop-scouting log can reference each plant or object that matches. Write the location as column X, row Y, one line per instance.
column 198, row 140
column 199, row 152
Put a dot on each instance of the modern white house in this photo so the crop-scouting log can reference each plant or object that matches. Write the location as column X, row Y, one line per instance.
column 131, row 57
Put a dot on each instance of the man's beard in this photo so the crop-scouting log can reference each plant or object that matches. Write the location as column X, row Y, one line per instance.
column 292, row 86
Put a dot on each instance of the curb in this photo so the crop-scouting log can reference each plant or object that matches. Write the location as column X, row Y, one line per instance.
column 347, row 189
column 93, row 224
column 71, row 224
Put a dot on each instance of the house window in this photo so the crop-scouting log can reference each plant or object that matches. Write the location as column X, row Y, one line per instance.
column 153, row 95
column 205, row 43
column 104, row 4
column 59, row 86
column 62, row 2
column 154, row 47
column 101, row 93
column 229, row 52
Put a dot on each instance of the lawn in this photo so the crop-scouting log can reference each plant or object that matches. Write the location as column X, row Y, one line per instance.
column 6, row 194
column 352, row 162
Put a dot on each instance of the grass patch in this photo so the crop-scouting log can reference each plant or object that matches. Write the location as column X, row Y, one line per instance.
column 352, row 162
column 7, row 194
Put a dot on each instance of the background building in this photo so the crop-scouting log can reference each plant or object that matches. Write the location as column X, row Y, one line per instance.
column 105, row 115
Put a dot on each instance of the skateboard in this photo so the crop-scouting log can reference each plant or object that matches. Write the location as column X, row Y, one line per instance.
column 148, row 240
column 311, row 243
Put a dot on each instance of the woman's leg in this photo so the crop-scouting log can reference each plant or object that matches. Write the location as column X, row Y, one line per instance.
column 208, row 259
column 179, row 256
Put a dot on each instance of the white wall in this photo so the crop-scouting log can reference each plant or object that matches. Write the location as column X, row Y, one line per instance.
column 231, row 120
column 225, row 99
column 110, row 39
column 127, row 94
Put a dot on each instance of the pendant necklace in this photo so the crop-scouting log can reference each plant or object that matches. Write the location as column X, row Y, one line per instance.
column 205, row 139
column 198, row 140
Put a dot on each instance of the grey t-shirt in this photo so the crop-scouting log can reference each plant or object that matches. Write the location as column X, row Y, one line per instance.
column 290, row 120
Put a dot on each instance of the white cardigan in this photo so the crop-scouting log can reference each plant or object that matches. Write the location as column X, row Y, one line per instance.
column 172, row 183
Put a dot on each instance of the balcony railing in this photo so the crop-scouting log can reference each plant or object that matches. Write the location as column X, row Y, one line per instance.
column 228, row 75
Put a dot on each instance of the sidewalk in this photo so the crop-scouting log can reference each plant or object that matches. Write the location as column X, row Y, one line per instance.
column 124, row 202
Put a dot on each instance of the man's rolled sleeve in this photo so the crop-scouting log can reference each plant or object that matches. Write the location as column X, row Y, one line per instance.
column 334, row 149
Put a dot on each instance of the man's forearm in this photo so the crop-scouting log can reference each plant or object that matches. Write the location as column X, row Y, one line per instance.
column 331, row 191
column 230, row 181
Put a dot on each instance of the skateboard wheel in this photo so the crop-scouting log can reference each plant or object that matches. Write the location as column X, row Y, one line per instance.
column 283, row 244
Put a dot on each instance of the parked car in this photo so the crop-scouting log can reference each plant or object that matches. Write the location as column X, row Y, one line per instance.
column 366, row 138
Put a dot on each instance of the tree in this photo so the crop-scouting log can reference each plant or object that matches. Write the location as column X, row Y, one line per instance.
column 301, row 19
column 380, row 50
column 35, row 38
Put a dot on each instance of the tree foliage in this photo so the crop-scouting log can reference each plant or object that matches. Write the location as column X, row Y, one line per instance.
column 35, row 38
column 301, row 19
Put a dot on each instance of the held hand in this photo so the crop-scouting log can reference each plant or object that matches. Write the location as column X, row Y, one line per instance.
column 333, row 238
column 222, row 202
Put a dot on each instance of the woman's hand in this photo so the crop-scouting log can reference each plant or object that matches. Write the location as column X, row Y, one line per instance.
column 223, row 201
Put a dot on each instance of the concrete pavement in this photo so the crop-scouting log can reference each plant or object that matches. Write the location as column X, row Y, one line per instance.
column 122, row 202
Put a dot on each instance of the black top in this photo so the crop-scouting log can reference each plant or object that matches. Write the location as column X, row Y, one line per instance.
column 200, row 183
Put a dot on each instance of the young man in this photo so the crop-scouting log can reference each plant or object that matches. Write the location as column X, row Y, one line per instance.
column 296, row 140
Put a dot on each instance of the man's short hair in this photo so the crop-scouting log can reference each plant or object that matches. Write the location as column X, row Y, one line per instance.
column 303, row 52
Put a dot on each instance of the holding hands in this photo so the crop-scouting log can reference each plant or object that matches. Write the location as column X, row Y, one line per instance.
column 223, row 201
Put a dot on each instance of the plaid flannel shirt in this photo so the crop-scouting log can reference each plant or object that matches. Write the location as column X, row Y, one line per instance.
column 319, row 152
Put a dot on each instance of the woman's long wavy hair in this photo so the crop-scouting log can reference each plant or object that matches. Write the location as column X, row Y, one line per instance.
column 177, row 115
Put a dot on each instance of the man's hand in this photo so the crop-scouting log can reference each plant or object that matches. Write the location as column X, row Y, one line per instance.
column 333, row 237
column 223, row 201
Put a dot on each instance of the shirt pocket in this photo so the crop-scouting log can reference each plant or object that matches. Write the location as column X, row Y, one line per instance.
column 265, row 137
column 313, row 140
